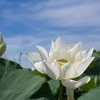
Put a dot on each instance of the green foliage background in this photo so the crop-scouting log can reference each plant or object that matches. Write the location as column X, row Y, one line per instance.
column 17, row 83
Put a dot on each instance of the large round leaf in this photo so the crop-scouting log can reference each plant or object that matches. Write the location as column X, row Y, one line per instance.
column 94, row 94
column 17, row 83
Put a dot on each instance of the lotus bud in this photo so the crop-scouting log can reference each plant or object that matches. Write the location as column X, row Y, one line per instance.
column 2, row 45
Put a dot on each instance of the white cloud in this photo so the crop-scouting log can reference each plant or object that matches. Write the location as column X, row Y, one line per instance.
column 78, row 15
column 56, row 13
column 20, row 44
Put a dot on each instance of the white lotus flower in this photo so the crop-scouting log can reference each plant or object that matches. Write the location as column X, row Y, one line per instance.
column 64, row 62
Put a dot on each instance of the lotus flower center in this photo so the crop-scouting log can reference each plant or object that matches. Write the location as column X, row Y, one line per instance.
column 61, row 62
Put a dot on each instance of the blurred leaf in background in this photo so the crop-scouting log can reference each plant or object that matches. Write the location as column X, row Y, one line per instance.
column 94, row 68
column 94, row 94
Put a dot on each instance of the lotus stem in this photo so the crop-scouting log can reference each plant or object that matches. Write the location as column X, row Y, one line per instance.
column 70, row 93
column 61, row 92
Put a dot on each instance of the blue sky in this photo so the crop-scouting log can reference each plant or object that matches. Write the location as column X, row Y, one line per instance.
column 27, row 23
